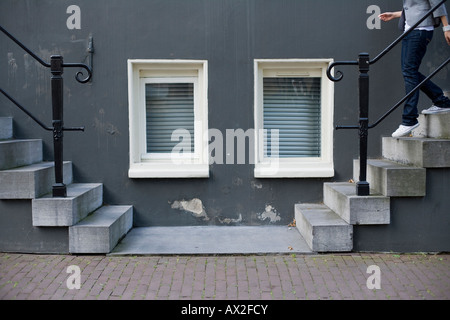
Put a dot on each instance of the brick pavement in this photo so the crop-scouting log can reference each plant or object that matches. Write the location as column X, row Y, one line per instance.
column 259, row 277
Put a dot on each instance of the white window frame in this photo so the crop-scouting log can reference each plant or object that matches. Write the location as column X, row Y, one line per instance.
column 148, row 165
column 320, row 167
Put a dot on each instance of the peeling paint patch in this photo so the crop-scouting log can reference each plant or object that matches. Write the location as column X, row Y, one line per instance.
column 194, row 206
column 230, row 220
column 12, row 66
column 256, row 185
column 269, row 213
column 103, row 126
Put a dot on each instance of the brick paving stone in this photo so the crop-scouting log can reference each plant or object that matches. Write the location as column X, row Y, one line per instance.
column 259, row 277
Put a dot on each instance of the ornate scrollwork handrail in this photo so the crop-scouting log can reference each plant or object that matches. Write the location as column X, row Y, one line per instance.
column 80, row 73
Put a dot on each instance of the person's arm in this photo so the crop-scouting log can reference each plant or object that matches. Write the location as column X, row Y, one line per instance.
column 388, row 16
column 444, row 21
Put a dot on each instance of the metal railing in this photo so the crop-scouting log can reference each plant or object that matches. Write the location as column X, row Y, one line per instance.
column 364, row 62
column 56, row 66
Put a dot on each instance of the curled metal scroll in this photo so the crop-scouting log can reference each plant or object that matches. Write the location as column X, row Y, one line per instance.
column 339, row 74
column 80, row 73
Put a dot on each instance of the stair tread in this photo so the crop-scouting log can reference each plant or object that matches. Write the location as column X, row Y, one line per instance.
column 389, row 164
column 349, row 189
column 103, row 217
column 74, row 190
column 320, row 215
column 34, row 167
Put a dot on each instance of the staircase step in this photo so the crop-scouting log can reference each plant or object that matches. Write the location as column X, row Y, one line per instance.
column 322, row 229
column 18, row 153
column 361, row 210
column 419, row 152
column 31, row 182
column 6, row 128
column 434, row 126
column 392, row 179
column 101, row 231
column 81, row 200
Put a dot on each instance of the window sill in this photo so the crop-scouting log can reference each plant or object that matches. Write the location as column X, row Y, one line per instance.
column 150, row 170
column 301, row 170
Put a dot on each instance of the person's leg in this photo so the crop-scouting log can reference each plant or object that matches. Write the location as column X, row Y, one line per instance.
column 414, row 47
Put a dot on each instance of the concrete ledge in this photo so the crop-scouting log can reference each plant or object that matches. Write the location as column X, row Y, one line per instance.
column 392, row 179
column 81, row 200
column 18, row 153
column 212, row 240
column 101, row 231
column 434, row 126
column 31, row 182
column 6, row 128
column 368, row 210
column 419, row 152
column 322, row 229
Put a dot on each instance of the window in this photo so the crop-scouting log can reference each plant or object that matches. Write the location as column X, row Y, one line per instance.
column 168, row 119
column 293, row 119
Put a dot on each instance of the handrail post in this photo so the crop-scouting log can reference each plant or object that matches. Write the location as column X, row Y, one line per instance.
column 362, row 187
column 56, row 68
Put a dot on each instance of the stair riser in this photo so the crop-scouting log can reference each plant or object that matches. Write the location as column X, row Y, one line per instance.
column 356, row 210
column 90, row 239
column 429, row 153
column 18, row 153
column 394, row 181
column 322, row 230
column 31, row 183
column 60, row 212
column 6, row 128
column 434, row 126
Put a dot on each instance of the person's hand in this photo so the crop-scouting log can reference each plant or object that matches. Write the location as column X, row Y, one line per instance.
column 447, row 36
column 388, row 16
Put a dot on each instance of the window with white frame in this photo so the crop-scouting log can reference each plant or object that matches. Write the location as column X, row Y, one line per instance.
column 168, row 115
column 293, row 119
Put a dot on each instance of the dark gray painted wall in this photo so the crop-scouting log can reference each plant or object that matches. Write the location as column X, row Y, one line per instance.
column 230, row 34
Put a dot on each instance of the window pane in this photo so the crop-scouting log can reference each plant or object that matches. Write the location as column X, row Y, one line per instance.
column 169, row 106
column 292, row 105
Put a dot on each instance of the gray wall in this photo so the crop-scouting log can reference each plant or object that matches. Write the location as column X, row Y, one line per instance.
column 230, row 34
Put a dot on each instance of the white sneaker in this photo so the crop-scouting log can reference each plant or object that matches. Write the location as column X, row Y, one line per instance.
column 435, row 109
column 403, row 131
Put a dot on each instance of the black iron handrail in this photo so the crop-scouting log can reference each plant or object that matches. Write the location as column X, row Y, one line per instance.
column 364, row 62
column 56, row 66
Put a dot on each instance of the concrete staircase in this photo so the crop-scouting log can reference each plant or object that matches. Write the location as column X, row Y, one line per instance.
column 92, row 227
column 328, row 227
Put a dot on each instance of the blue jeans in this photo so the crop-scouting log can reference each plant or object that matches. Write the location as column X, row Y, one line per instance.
column 414, row 47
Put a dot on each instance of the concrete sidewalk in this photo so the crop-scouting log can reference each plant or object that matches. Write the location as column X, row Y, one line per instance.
column 225, row 277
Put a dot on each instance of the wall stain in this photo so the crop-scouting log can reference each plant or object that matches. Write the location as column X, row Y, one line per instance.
column 194, row 207
column 269, row 213
column 230, row 220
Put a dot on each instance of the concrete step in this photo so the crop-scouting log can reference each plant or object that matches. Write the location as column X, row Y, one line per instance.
column 419, row 152
column 31, row 182
column 81, row 200
column 361, row 210
column 434, row 126
column 392, row 179
column 6, row 128
column 322, row 229
column 101, row 231
column 18, row 153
